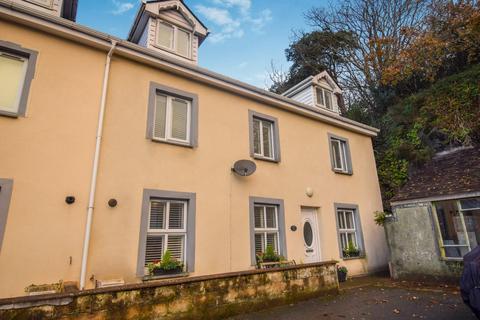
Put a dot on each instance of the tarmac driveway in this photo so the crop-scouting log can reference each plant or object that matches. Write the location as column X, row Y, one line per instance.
column 384, row 300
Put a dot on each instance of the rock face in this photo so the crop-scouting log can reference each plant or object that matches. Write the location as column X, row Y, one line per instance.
column 211, row 297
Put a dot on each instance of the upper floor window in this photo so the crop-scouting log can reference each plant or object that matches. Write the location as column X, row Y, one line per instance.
column 16, row 73
column 264, row 141
column 174, row 38
column 340, row 155
column 172, row 116
column 325, row 98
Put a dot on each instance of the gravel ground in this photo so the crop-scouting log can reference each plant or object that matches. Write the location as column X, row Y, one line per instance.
column 374, row 302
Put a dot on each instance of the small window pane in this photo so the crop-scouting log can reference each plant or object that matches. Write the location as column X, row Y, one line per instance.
column 473, row 203
column 271, row 217
column 337, row 156
column 256, row 136
column 320, row 97
column 160, row 116
column 157, row 214
column 328, row 99
column 259, row 217
column 176, row 215
column 183, row 43
column 351, row 239
column 12, row 77
column 343, row 240
column 179, row 119
column 154, row 248
column 341, row 219
column 267, row 139
column 272, row 240
column 259, row 243
column 175, row 246
column 165, row 35
column 349, row 219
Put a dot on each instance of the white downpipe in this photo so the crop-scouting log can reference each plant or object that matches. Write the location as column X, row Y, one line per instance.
column 93, row 184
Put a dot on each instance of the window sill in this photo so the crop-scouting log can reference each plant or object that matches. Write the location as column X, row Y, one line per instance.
column 9, row 114
column 353, row 258
column 169, row 276
column 343, row 172
column 265, row 159
column 176, row 143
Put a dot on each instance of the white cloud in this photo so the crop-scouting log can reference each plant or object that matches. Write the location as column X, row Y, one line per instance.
column 121, row 7
column 232, row 17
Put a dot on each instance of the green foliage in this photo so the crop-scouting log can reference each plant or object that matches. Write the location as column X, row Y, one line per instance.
column 443, row 116
column 351, row 250
column 166, row 263
column 342, row 269
column 380, row 218
column 268, row 256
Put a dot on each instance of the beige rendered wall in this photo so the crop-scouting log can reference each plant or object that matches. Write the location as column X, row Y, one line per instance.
column 50, row 154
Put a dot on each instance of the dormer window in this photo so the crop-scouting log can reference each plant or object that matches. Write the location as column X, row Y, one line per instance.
column 325, row 98
column 174, row 38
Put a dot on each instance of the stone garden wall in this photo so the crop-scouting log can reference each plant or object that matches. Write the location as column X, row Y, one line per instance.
column 207, row 297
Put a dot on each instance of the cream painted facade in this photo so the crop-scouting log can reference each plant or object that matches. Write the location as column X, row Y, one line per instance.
column 48, row 154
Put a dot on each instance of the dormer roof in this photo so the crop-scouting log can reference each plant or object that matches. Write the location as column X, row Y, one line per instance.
column 153, row 8
column 314, row 81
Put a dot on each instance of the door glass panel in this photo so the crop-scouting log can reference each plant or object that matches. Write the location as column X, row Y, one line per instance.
column 308, row 233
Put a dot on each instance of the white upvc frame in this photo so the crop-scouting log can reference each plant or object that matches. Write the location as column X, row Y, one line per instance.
column 174, row 44
column 168, row 120
column 342, row 147
column 441, row 243
column 46, row 4
column 167, row 231
column 345, row 231
column 265, row 230
column 324, row 92
column 270, row 142
column 22, row 83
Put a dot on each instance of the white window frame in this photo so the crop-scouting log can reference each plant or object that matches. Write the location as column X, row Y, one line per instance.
column 46, row 4
column 22, row 84
column 464, row 229
column 168, row 119
column 265, row 231
column 346, row 231
column 167, row 231
column 324, row 92
column 343, row 155
column 175, row 39
column 271, row 142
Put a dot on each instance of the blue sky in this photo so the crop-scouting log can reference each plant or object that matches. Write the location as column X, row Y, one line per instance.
column 246, row 35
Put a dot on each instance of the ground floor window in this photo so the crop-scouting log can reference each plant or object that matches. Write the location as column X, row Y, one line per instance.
column 349, row 231
column 458, row 224
column 168, row 224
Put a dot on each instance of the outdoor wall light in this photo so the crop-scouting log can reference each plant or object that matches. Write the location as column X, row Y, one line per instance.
column 112, row 203
column 70, row 199
column 293, row 228
column 309, row 192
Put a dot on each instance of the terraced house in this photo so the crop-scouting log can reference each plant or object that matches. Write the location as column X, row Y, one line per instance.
column 114, row 151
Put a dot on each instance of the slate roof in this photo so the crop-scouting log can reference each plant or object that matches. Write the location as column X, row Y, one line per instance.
column 452, row 173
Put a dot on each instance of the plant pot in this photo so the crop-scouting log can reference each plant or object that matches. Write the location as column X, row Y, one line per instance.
column 162, row 272
column 342, row 276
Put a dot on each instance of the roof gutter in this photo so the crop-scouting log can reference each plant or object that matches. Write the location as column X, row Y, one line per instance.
column 78, row 33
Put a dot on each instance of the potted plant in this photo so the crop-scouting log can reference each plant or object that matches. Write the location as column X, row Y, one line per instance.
column 166, row 266
column 351, row 251
column 342, row 273
column 268, row 256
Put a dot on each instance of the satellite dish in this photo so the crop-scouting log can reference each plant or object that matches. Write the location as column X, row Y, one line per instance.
column 244, row 167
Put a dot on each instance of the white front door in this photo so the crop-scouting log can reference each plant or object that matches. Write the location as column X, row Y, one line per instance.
column 311, row 239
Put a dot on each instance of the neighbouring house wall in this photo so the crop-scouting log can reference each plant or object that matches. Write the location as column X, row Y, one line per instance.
column 413, row 243
column 50, row 153
column 210, row 297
